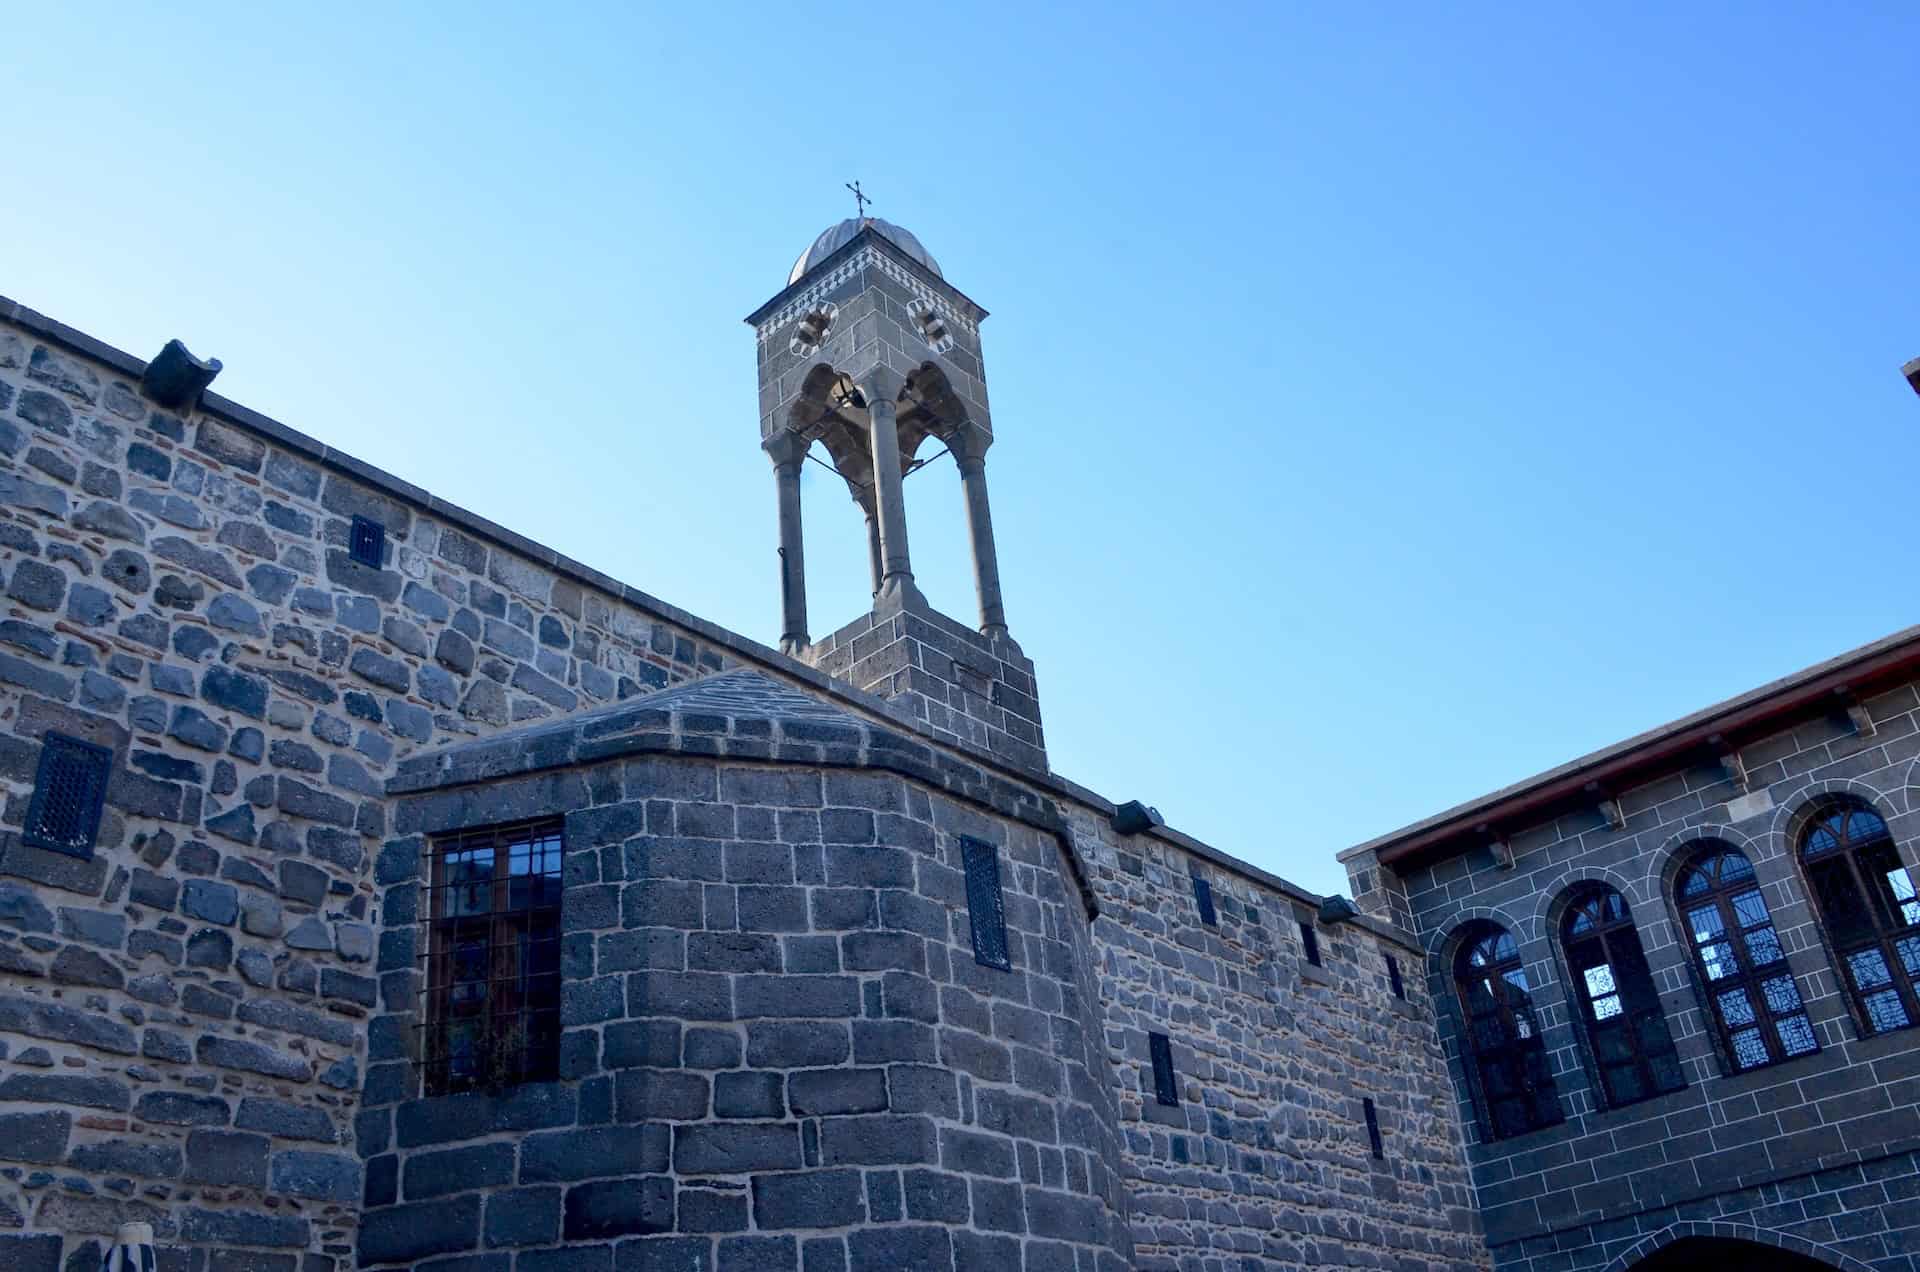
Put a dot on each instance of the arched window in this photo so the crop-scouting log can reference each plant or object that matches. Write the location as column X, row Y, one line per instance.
column 1868, row 906
column 1618, row 1005
column 1752, row 999
column 1504, row 1053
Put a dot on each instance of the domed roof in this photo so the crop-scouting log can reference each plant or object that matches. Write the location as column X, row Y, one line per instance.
column 838, row 236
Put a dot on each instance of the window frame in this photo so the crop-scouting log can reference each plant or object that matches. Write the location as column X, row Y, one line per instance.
column 1616, row 934
column 536, row 1057
column 1708, row 860
column 1525, row 1049
column 1887, row 935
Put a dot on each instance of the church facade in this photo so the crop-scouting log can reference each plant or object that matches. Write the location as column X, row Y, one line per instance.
column 380, row 889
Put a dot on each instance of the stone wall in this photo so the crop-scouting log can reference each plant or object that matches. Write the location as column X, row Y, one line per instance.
column 182, row 1017
column 205, row 1024
column 950, row 680
column 1266, row 1162
column 779, row 1048
column 1818, row 1150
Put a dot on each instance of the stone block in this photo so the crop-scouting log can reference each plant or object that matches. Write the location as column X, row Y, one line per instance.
column 609, row 1208
column 749, row 1094
column 408, row 1233
column 591, row 1152
column 227, row 1158
column 452, row 1170
column 813, row 1199
column 35, row 1137
column 735, row 1149
column 822, row 1092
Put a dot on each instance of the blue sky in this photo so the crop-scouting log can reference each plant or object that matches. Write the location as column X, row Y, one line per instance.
column 1391, row 401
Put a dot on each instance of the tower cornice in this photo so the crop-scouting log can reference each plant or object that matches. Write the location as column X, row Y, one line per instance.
column 869, row 249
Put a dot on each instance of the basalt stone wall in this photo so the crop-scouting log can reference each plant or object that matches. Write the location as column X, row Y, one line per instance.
column 952, row 681
column 779, row 1050
column 1818, row 1150
column 183, row 1017
column 1266, row 1162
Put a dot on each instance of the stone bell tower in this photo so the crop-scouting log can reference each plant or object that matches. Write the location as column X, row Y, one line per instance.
column 870, row 352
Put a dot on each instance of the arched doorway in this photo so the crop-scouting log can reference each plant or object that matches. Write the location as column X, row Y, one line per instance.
column 1715, row 1254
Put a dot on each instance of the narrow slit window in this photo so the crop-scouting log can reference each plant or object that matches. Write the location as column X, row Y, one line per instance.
column 492, row 958
column 1161, row 1050
column 1393, row 977
column 1373, row 1130
column 1203, row 897
column 68, row 791
column 985, row 908
column 367, row 541
column 1310, row 941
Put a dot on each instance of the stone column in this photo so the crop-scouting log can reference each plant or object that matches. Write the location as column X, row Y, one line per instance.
column 881, row 389
column 788, row 450
column 969, row 448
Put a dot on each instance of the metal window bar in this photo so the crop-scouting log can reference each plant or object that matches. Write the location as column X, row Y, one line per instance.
column 1203, row 897
column 986, row 908
column 1373, row 1130
column 366, row 541
column 68, row 790
column 1161, row 1051
column 491, row 1015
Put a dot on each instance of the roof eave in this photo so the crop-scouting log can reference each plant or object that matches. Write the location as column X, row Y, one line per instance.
column 1751, row 715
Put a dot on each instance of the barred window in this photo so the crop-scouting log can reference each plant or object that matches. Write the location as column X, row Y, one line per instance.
column 1620, row 1008
column 493, row 958
column 1505, row 1056
column 1868, row 907
column 1752, row 999
column 68, row 791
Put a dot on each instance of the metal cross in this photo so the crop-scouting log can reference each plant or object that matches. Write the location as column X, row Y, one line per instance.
column 860, row 200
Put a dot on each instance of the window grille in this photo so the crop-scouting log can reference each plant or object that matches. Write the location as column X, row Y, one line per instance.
column 1618, row 1004
column 1161, row 1050
column 1373, row 1130
column 492, row 956
column 1753, row 1001
column 68, row 791
column 1505, row 1055
column 986, row 909
column 367, row 541
column 1868, row 906
column 1310, row 941
column 1203, row 897
column 1393, row 977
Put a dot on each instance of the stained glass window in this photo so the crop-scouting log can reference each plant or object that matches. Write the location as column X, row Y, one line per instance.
column 1626, row 1027
column 1754, row 1004
column 493, row 958
column 1869, row 908
column 1504, row 1053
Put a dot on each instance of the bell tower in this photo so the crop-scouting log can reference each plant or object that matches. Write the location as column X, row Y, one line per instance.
column 871, row 353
